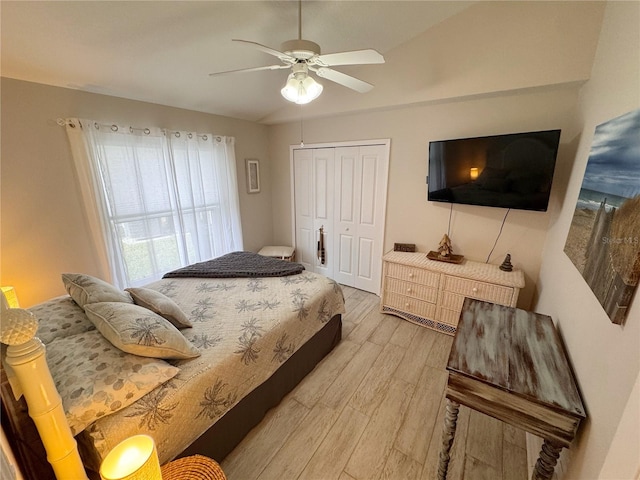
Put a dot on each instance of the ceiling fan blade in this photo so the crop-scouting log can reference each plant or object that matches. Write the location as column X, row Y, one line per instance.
column 343, row 79
column 281, row 55
column 356, row 57
column 255, row 69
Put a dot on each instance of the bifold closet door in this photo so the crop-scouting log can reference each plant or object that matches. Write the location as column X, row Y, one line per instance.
column 313, row 197
column 360, row 196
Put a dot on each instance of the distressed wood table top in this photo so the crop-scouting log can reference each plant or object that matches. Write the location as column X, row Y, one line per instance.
column 511, row 364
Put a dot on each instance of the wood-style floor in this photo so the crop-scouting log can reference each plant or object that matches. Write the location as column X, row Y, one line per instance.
column 374, row 409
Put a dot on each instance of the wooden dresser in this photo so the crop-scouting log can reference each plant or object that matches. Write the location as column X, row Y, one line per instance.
column 431, row 293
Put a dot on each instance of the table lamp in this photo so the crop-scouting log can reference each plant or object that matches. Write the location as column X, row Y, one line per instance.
column 10, row 295
column 135, row 458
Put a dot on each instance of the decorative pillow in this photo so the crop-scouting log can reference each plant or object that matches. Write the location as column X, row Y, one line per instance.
column 85, row 289
column 160, row 304
column 134, row 329
column 96, row 379
column 60, row 317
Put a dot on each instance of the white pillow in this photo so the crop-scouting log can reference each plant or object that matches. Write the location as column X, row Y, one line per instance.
column 95, row 379
column 85, row 289
column 135, row 329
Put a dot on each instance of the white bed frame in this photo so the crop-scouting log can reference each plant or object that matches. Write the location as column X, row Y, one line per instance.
column 29, row 375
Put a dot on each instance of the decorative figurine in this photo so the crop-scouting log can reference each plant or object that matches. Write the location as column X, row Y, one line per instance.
column 506, row 265
column 444, row 247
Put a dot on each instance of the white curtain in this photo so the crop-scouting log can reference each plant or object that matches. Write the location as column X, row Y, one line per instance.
column 156, row 200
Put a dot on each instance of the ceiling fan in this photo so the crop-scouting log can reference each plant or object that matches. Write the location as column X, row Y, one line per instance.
column 303, row 56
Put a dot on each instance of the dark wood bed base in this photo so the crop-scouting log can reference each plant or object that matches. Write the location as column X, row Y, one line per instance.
column 216, row 443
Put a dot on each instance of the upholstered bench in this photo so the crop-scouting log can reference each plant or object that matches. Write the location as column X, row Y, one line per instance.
column 281, row 252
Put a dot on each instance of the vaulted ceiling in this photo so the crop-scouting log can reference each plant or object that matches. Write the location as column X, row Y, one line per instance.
column 163, row 51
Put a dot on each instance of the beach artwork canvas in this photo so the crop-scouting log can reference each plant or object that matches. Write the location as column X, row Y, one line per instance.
column 604, row 238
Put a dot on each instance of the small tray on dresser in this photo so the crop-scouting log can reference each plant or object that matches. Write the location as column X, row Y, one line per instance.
column 450, row 259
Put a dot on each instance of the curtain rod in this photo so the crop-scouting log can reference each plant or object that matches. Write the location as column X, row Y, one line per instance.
column 63, row 122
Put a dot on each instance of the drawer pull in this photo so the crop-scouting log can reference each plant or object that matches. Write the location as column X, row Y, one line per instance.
column 407, row 305
column 411, row 275
column 409, row 290
column 474, row 289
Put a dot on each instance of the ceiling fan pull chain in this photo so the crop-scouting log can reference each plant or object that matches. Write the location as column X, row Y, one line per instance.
column 301, row 128
column 299, row 19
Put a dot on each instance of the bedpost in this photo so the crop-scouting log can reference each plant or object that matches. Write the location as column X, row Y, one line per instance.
column 26, row 358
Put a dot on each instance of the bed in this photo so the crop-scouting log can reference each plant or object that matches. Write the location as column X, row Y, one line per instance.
column 251, row 340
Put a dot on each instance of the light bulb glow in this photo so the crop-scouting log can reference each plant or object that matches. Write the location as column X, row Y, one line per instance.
column 301, row 88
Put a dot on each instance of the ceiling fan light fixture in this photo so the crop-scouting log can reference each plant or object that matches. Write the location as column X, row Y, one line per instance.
column 301, row 88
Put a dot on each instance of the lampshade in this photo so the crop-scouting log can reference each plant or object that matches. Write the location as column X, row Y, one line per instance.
column 301, row 88
column 10, row 295
column 473, row 173
column 135, row 458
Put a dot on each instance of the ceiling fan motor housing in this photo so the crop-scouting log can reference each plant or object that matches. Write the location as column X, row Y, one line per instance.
column 301, row 49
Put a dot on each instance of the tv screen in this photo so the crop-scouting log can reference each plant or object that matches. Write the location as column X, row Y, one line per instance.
column 508, row 171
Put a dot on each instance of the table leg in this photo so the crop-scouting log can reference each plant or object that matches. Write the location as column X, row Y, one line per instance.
column 547, row 461
column 449, row 433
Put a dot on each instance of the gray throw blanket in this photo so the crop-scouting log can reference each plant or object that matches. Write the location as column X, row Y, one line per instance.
column 238, row 264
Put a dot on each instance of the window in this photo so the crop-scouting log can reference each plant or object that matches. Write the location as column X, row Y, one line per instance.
column 168, row 199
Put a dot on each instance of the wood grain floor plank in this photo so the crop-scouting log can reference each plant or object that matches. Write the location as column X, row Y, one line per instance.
column 371, row 390
column 404, row 334
column 309, row 391
column 485, row 439
column 474, row 469
column 257, row 449
column 363, row 330
column 332, row 455
column 399, row 466
column 418, row 351
column 420, row 421
column 292, row 457
column 514, row 461
column 386, row 329
column 340, row 391
column 440, row 350
column 374, row 446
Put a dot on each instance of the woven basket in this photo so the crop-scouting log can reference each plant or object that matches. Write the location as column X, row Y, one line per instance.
column 195, row 467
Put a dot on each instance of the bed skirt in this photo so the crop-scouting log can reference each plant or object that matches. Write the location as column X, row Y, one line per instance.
column 233, row 426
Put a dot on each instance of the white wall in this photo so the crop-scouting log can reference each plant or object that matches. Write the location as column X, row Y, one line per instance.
column 44, row 230
column 606, row 357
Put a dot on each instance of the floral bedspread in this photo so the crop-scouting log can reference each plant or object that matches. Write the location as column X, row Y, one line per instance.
column 244, row 328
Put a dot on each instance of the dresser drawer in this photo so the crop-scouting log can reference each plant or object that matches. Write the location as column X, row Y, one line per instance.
column 413, row 274
column 421, row 292
column 479, row 290
column 450, row 317
column 410, row 305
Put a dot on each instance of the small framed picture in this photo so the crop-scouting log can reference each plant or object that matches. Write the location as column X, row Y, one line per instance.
column 253, row 175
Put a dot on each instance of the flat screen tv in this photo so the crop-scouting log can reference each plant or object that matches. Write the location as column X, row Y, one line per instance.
column 508, row 171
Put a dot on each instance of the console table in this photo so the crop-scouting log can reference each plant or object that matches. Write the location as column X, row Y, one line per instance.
column 511, row 365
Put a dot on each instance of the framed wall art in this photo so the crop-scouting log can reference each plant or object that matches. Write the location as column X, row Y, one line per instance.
column 253, row 175
column 604, row 238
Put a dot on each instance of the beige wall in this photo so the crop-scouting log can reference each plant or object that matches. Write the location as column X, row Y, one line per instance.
column 44, row 232
column 410, row 218
column 606, row 357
